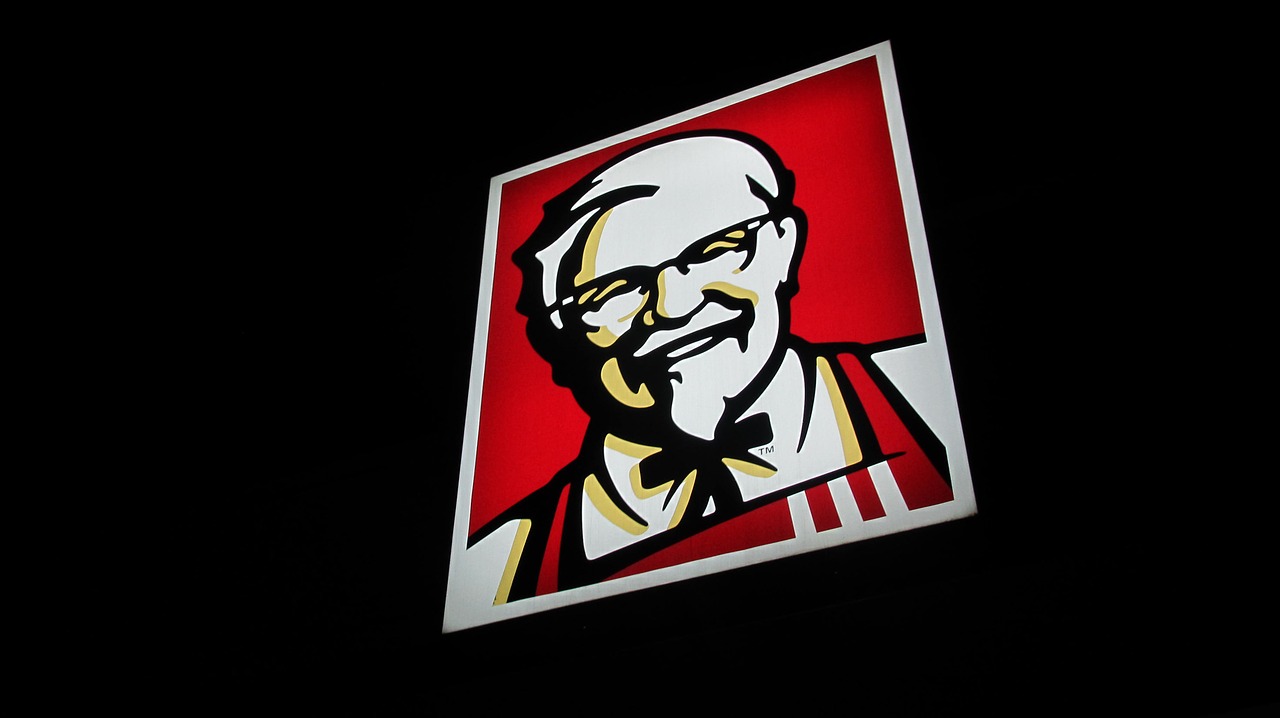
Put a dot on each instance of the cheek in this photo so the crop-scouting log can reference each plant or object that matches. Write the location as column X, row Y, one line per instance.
column 771, row 265
column 614, row 318
column 757, row 283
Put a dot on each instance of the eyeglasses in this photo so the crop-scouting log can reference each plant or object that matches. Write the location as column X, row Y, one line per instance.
column 593, row 295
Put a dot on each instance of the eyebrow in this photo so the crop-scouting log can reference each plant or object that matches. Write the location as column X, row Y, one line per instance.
column 591, row 290
column 734, row 234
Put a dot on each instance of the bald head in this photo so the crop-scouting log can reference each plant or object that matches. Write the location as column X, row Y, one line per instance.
column 664, row 269
column 701, row 185
column 658, row 197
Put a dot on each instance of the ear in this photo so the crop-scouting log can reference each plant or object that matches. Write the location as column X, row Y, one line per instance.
column 788, row 237
column 786, row 252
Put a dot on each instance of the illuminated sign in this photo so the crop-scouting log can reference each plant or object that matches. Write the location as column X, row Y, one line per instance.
column 703, row 344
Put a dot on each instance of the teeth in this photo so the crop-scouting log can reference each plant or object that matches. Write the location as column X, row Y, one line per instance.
column 713, row 325
column 681, row 351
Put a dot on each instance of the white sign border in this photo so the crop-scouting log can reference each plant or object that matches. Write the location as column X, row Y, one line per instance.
column 918, row 367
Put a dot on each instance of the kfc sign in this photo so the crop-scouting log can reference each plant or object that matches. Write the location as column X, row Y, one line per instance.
column 707, row 343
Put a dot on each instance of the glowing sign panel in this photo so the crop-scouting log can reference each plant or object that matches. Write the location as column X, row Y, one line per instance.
column 707, row 343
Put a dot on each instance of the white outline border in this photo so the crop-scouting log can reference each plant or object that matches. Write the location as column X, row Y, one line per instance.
column 459, row 615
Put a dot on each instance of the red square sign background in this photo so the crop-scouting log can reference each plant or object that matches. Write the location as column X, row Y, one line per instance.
column 857, row 280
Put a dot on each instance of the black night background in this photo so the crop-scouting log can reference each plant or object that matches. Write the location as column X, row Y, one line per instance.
column 350, row 211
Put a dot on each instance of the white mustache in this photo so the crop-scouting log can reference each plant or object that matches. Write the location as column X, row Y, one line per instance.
column 710, row 315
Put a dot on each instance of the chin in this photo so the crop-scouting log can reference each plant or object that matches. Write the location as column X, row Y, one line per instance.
column 703, row 384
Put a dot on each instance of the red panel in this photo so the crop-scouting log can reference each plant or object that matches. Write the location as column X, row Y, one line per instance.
column 919, row 482
column 864, row 493
column 831, row 129
column 549, row 575
column 823, row 508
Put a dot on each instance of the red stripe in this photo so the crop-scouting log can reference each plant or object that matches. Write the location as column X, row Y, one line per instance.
column 549, row 574
column 920, row 483
column 864, row 493
column 823, row 508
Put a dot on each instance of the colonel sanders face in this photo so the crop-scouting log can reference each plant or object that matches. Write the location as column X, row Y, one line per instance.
column 657, row 285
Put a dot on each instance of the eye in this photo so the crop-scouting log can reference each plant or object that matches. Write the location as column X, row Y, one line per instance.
column 608, row 299
column 734, row 240
column 616, row 308
column 598, row 294
column 728, row 244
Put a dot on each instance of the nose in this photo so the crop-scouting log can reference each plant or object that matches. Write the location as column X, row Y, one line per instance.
column 678, row 293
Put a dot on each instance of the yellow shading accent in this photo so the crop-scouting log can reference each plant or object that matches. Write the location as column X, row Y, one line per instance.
column 748, row 468
column 587, row 271
column 686, row 491
column 610, row 510
column 848, row 439
column 637, row 451
column 602, row 337
column 630, row 448
column 662, row 294
column 722, row 243
column 644, row 299
column 734, row 291
column 737, row 234
column 611, row 377
column 513, row 560
column 603, row 292
column 637, row 487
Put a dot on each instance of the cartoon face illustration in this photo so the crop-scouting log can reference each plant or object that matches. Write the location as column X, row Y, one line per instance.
column 659, row 285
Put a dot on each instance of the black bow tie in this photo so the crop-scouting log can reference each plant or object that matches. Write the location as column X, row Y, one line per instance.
column 679, row 459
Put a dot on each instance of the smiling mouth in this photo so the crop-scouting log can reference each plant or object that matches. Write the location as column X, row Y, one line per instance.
column 697, row 342
column 684, row 348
